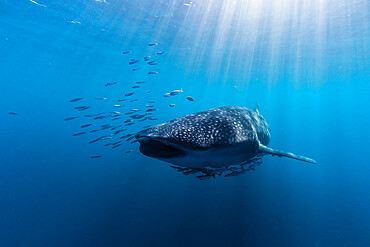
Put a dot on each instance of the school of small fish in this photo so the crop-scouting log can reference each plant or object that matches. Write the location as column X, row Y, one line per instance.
column 119, row 124
column 122, row 120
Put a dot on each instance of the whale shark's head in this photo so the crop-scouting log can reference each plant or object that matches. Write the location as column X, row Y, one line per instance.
column 215, row 138
column 154, row 145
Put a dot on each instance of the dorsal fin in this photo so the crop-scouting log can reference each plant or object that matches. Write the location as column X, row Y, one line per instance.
column 257, row 108
column 267, row 150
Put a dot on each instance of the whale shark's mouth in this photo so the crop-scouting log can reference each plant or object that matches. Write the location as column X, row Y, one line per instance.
column 159, row 148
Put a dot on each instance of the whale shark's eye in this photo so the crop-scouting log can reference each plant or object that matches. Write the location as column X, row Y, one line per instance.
column 158, row 149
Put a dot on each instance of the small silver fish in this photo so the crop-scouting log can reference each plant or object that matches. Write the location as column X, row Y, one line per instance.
column 75, row 100
column 91, row 142
column 116, row 145
column 137, row 116
column 190, row 98
column 105, row 137
column 118, row 131
column 78, row 134
column 176, row 92
column 130, row 138
column 134, row 61
column 125, row 136
column 82, row 108
column 151, row 109
column 115, row 112
column 96, row 156
column 110, row 83
column 38, row 4
column 66, row 119
column 116, row 127
column 171, row 105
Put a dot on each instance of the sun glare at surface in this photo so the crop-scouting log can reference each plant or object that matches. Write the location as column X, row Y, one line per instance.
column 231, row 37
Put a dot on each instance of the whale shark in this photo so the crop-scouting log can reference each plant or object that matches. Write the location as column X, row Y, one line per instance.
column 212, row 141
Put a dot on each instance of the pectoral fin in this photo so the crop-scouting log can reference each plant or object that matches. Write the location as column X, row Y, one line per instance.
column 267, row 150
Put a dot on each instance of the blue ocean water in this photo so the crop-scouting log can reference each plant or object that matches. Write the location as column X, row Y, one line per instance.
column 306, row 63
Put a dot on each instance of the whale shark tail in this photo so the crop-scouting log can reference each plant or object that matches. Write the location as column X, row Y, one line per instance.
column 266, row 150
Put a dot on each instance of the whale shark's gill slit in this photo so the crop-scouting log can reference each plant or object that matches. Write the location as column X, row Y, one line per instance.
column 159, row 149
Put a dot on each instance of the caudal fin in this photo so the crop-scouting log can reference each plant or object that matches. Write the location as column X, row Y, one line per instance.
column 267, row 150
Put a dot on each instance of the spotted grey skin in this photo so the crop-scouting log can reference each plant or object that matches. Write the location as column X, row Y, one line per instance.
column 215, row 138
